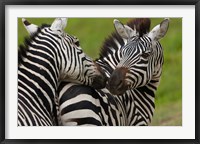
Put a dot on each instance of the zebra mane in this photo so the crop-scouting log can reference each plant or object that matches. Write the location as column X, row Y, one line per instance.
column 23, row 48
column 142, row 26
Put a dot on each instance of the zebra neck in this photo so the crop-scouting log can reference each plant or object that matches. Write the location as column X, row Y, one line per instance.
column 140, row 103
column 37, row 73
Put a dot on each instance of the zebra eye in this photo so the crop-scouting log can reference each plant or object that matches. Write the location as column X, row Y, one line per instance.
column 146, row 54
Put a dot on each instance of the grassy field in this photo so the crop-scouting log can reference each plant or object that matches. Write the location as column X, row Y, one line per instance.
column 93, row 31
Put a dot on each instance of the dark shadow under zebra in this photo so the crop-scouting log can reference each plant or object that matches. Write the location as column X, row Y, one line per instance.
column 132, row 59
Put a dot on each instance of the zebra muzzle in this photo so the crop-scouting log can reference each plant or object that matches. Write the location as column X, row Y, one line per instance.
column 117, row 84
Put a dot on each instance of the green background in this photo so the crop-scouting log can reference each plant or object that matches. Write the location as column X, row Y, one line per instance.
column 92, row 32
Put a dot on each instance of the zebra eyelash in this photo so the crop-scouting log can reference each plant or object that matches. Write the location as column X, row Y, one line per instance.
column 146, row 54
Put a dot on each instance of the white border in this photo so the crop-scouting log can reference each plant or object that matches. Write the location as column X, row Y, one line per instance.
column 187, row 131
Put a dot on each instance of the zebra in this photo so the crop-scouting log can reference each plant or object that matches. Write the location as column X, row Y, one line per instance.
column 48, row 57
column 132, row 58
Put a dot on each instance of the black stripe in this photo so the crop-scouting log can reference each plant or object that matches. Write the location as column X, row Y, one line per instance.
column 81, row 106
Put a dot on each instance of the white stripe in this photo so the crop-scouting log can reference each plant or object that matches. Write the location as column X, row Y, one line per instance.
column 117, row 43
column 80, row 114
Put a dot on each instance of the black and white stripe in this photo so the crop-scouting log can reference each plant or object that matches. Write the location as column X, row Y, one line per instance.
column 49, row 57
column 133, row 64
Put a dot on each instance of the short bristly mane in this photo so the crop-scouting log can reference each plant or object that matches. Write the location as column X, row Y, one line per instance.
column 142, row 26
column 23, row 48
column 110, row 44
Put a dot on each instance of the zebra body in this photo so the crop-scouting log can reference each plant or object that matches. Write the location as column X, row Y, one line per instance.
column 83, row 105
column 132, row 101
column 49, row 57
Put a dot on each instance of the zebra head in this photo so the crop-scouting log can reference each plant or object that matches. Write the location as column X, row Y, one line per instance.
column 73, row 65
column 142, row 56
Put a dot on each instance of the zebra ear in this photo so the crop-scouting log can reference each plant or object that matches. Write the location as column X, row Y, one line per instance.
column 160, row 30
column 130, row 31
column 31, row 28
column 59, row 24
column 123, row 30
column 120, row 28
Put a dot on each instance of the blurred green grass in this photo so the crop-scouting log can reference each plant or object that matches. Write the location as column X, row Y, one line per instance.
column 93, row 31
